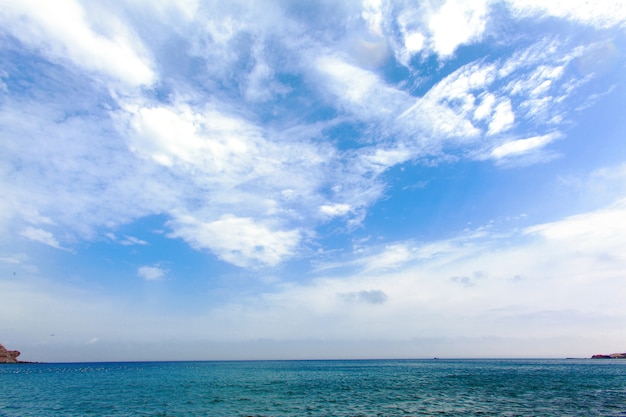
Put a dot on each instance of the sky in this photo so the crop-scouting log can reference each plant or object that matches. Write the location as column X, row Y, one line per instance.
column 208, row 180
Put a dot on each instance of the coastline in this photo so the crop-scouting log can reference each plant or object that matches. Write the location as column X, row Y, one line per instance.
column 610, row 356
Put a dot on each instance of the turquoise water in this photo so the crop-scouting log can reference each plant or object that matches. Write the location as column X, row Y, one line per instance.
column 317, row 388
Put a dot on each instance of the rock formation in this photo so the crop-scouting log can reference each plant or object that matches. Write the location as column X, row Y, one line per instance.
column 8, row 356
column 611, row 356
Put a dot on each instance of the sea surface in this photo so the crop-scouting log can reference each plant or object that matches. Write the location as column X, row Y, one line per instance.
column 317, row 388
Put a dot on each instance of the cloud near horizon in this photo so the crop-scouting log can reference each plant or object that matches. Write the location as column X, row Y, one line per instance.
column 479, row 286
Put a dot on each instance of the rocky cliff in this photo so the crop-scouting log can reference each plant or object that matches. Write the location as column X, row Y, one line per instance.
column 611, row 356
column 8, row 356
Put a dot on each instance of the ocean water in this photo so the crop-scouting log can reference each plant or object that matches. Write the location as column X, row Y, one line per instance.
column 317, row 388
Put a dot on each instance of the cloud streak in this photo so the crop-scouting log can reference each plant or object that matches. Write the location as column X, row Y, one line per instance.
column 63, row 30
column 42, row 236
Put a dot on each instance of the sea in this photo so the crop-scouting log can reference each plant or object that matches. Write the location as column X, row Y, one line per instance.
column 317, row 388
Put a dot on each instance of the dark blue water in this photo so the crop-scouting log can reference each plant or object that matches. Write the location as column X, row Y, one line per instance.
column 317, row 388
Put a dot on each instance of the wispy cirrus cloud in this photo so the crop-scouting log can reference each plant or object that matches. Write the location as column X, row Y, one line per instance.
column 13, row 259
column 64, row 31
column 520, row 147
column 42, row 236
column 224, row 136
column 607, row 14
column 131, row 240
column 361, row 91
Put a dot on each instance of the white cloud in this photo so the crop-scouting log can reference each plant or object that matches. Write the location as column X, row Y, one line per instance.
column 166, row 8
column 602, row 14
column 484, row 110
column 443, row 114
column 13, row 259
column 87, row 180
column 392, row 257
column 62, row 30
column 446, row 110
column 372, row 13
column 131, row 240
column 414, row 42
column 503, row 118
column 192, row 159
column 437, row 122
column 380, row 159
column 538, row 83
column 543, row 90
column 247, row 183
column 437, row 27
column 584, row 232
column 262, row 85
column 400, row 255
column 485, row 98
column 360, row 91
column 42, row 236
column 412, row 37
column 222, row 150
column 479, row 93
column 457, row 22
column 151, row 273
column 238, row 240
column 33, row 216
column 335, row 209
column 476, row 76
column 522, row 146
column 169, row 136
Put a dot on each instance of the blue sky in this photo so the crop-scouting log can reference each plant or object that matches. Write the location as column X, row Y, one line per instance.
column 280, row 179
